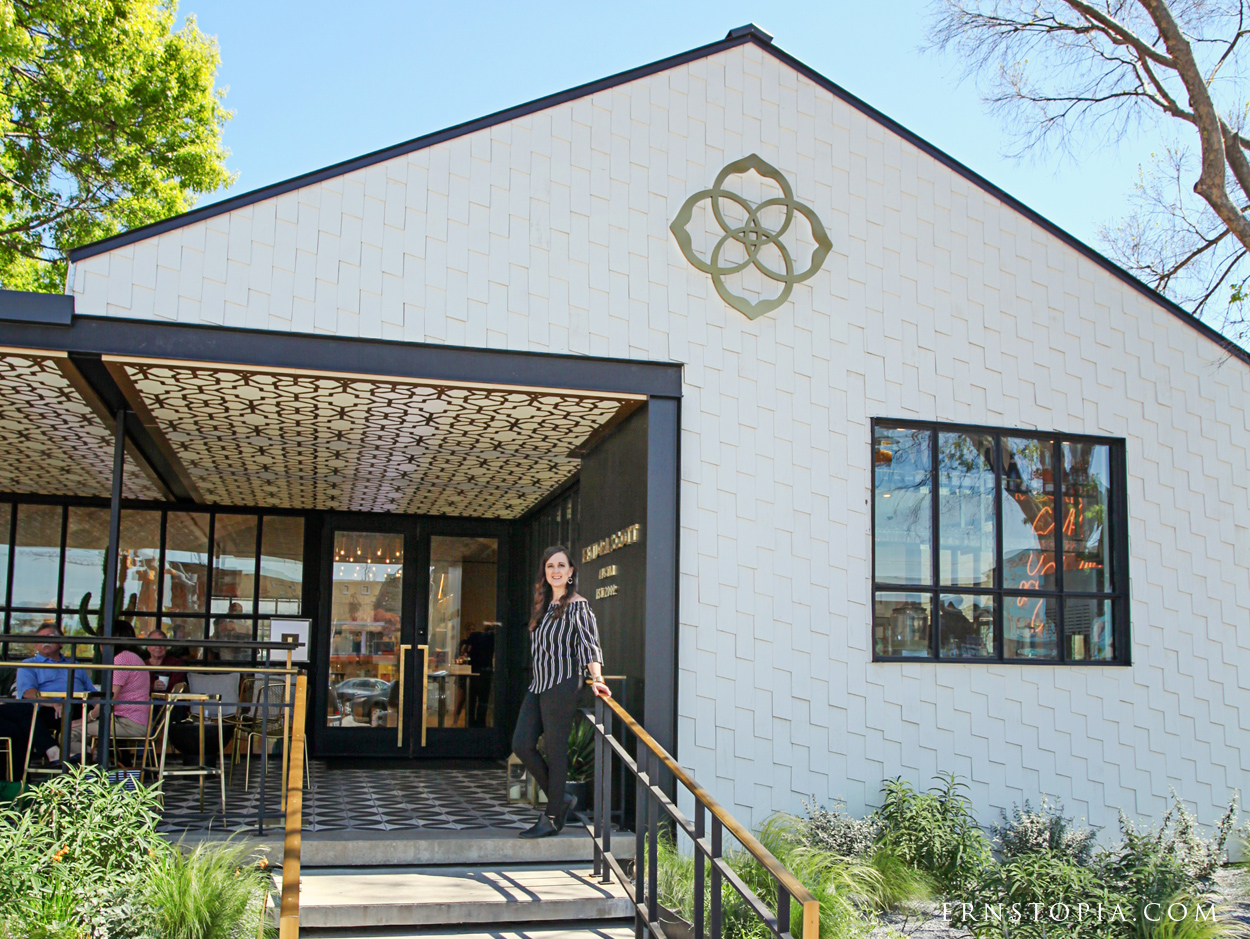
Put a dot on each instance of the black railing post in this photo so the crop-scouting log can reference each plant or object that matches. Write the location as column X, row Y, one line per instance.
column 653, row 841
column 640, row 843
column 264, row 747
column 108, row 603
column 783, row 909
column 606, row 804
column 597, row 790
column 700, row 822
column 716, row 878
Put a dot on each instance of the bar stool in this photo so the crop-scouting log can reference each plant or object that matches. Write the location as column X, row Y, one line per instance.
column 48, row 699
column 200, row 770
column 6, row 744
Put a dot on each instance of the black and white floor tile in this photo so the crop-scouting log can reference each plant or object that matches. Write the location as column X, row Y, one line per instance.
column 358, row 797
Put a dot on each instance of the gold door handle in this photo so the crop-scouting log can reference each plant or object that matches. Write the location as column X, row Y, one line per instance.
column 425, row 687
column 403, row 649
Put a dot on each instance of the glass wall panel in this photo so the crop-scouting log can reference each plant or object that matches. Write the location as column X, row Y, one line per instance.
column 6, row 518
column 901, row 624
column 234, row 563
column 366, row 597
column 186, row 562
column 966, row 545
column 1028, row 514
column 1088, row 630
column 966, row 626
column 903, row 513
column 1030, row 627
column 282, row 565
column 138, row 559
column 185, row 627
column 462, row 627
column 1086, row 506
column 37, row 564
column 86, row 542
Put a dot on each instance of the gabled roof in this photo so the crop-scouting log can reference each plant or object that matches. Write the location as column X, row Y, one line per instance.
column 736, row 37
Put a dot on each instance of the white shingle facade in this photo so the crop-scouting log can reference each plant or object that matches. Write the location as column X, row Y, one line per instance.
column 550, row 233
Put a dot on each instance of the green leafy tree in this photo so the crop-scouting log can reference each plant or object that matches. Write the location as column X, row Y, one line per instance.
column 113, row 121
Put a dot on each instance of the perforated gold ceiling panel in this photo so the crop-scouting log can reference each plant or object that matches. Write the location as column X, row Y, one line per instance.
column 353, row 443
column 51, row 443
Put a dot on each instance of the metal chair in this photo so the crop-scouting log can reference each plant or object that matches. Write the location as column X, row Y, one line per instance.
column 48, row 699
column 267, row 725
column 6, row 744
column 215, row 693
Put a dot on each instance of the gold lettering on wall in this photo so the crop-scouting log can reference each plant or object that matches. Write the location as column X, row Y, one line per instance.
column 608, row 591
column 625, row 536
column 609, row 571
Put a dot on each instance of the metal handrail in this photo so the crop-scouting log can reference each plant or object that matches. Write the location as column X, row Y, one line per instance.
column 650, row 797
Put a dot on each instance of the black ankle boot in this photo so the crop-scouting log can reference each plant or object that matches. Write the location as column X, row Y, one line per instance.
column 564, row 811
column 542, row 828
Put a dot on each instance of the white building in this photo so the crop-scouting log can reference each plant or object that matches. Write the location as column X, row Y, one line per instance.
column 938, row 300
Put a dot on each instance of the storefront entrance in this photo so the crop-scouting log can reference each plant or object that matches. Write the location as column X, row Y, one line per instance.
column 412, row 637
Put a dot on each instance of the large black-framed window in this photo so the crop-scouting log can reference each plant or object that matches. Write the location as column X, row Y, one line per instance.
column 193, row 572
column 998, row 545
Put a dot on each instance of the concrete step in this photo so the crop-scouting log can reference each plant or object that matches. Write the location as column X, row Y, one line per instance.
column 421, row 847
column 492, row 894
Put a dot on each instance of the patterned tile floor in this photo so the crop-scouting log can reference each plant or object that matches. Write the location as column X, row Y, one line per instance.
column 359, row 795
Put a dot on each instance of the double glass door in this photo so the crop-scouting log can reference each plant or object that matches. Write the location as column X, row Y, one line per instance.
column 412, row 637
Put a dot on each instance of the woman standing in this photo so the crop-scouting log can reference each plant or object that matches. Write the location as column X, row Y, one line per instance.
column 564, row 642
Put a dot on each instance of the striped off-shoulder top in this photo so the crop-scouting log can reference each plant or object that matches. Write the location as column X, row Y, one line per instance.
column 562, row 644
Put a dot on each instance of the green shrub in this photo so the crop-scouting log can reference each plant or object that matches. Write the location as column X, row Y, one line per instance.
column 82, row 860
column 1044, row 831
column 935, row 831
column 835, row 831
column 213, row 892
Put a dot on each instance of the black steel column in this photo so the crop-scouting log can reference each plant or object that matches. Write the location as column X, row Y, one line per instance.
column 110, row 583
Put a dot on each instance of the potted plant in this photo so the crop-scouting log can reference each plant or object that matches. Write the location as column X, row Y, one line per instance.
column 581, row 764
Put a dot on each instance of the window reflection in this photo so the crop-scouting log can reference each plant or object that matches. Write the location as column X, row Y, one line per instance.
column 966, row 510
column 5, row 521
column 903, row 510
column 86, row 543
column 1030, row 627
column 901, row 624
column 186, row 562
column 1088, row 630
column 36, row 566
column 966, row 626
column 282, row 565
column 1028, row 514
column 1086, row 501
column 234, row 563
column 140, row 552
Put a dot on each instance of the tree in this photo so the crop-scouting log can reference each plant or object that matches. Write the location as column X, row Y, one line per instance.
column 113, row 121
column 1068, row 73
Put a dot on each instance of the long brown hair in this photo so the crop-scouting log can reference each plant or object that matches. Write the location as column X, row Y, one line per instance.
column 542, row 589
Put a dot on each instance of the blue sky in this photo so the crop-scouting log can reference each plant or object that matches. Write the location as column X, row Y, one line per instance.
column 314, row 82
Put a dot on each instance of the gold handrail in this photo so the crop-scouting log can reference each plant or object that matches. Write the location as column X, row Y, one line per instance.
column 811, row 906
column 425, row 687
column 288, row 919
column 403, row 653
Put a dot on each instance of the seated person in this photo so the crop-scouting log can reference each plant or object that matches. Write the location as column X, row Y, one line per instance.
column 164, row 657
column 32, row 682
column 129, row 720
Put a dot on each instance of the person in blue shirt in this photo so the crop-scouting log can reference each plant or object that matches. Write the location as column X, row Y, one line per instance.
column 36, row 681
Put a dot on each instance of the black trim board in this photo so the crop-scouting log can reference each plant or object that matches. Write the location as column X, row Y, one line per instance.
column 20, row 306
column 736, row 37
column 225, row 345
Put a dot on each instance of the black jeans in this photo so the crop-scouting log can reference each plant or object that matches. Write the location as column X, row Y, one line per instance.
column 549, row 713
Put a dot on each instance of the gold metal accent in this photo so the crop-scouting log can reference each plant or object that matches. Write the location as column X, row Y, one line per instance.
column 288, row 920
column 425, row 687
column 752, row 236
column 403, row 651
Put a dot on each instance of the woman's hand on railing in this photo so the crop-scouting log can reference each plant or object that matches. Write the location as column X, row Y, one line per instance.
column 600, row 688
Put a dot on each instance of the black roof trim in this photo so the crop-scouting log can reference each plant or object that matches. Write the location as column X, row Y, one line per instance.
column 21, row 306
column 736, row 37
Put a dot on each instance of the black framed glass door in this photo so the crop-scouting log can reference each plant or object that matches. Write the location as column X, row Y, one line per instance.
column 461, row 625
column 367, row 647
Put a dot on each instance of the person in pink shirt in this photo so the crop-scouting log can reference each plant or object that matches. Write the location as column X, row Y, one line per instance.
column 129, row 720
